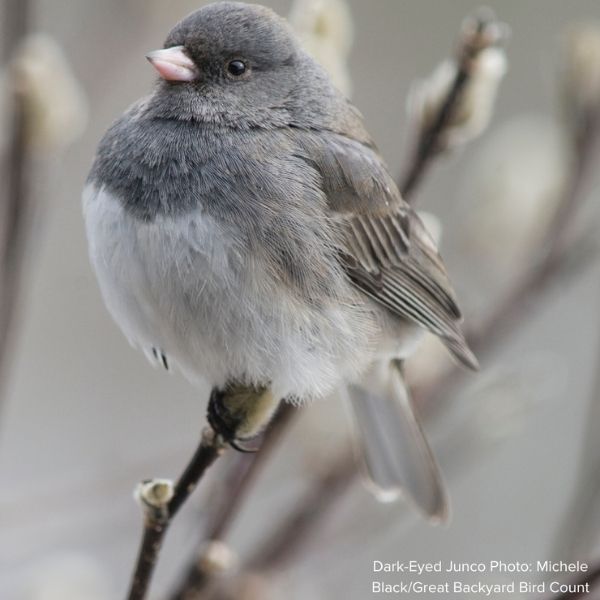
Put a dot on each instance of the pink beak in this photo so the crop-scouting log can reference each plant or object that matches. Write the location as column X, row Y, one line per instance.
column 173, row 64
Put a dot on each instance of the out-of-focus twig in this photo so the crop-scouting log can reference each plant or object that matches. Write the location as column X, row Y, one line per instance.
column 455, row 104
column 47, row 111
column 160, row 502
column 289, row 535
column 485, row 337
column 15, row 206
column 243, row 472
column 248, row 471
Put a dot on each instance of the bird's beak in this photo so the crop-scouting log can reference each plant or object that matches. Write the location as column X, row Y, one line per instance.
column 173, row 64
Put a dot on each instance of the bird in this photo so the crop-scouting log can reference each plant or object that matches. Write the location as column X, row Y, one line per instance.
column 245, row 230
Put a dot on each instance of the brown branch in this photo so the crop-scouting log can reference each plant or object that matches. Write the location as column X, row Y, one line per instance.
column 15, row 207
column 289, row 536
column 429, row 144
column 159, row 511
column 518, row 303
column 242, row 474
column 247, row 470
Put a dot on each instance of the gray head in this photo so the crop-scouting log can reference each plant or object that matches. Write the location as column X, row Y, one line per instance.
column 230, row 61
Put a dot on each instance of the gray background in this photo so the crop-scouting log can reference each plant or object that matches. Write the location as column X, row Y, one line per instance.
column 85, row 417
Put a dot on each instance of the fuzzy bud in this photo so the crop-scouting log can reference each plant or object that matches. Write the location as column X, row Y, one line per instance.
column 217, row 557
column 480, row 66
column 581, row 72
column 325, row 30
column 56, row 108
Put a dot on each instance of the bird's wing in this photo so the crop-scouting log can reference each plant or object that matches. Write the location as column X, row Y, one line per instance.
column 387, row 252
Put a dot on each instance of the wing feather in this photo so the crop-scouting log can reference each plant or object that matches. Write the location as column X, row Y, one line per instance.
column 388, row 253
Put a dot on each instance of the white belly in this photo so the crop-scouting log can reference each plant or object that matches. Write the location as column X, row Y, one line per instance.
column 184, row 287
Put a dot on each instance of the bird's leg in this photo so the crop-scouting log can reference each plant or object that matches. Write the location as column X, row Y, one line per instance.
column 239, row 413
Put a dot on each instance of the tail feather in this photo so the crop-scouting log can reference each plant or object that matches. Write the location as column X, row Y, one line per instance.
column 395, row 452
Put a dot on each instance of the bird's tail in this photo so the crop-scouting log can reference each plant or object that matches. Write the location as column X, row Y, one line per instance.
column 394, row 451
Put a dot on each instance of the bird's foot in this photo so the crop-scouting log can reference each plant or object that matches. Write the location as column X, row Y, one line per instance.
column 231, row 415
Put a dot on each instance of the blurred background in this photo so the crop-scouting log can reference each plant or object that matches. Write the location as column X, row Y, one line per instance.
column 84, row 417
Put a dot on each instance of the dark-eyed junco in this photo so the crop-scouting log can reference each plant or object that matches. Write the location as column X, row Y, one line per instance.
column 245, row 229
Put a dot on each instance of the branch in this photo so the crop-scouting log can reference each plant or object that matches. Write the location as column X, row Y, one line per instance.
column 243, row 472
column 160, row 503
column 246, row 470
column 47, row 111
column 289, row 536
column 451, row 108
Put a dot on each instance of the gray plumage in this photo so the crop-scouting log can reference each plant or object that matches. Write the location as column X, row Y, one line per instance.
column 246, row 229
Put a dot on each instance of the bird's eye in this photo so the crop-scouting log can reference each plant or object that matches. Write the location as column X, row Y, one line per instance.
column 236, row 67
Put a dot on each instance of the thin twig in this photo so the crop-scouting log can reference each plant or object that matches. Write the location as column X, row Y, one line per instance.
column 428, row 144
column 249, row 468
column 15, row 207
column 426, row 147
column 485, row 338
column 289, row 536
column 159, row 516
column 242, row 474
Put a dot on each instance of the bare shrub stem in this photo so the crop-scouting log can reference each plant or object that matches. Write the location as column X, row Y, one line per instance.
column 160, row 510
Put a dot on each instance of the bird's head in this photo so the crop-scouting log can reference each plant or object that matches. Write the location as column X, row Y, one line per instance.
column 231, row 61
